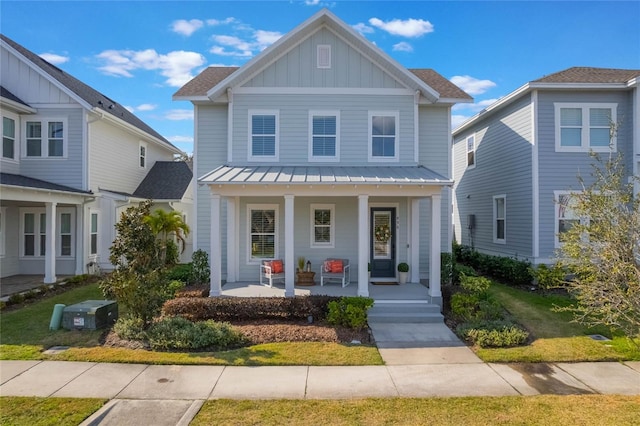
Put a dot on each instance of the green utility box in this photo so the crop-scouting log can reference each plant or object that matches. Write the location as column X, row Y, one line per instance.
column 90, row 315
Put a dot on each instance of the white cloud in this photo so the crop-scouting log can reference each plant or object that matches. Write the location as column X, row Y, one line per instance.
column 146, row 107
column 216, row 22
column 180, row 139
column 474, row 107
column 312, row 2
column 472, row 85
column 185, row 27
column 406, row 28
column 179, row 114
column 403, row 46
column 176, row 66
column 362, row 28
column 266, row 38
column 54, row 59
column 244, row 47
column 457, row 120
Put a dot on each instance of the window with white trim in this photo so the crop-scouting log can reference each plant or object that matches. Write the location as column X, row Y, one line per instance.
column 322, row 225
column 324, row 135
column 500, row 219
column 93, row 234
column 263, row 135
column 33, row 229
column 471, row 152
column 383, row 136
column 9, row 138
column 263, row 231
column 565, row 215
column 45, row 138
column 324, row 56
column 142, row 155
column 585, row 127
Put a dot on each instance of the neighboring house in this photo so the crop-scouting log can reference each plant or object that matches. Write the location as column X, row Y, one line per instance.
column 311, row 146
column 72, row 159
column 516, row 162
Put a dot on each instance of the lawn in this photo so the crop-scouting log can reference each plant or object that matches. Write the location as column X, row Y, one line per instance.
column 555, row 337
column 47, row 411
column 25, row 334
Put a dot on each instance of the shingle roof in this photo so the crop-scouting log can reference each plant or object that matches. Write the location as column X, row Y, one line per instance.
column 167, row 180
column 406, row 175
column 590, row 75
column 8, row 95
column 200, row 85
column 85, row 92
column 28, row 182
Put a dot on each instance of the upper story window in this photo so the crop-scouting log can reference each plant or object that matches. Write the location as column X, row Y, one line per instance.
column 584, row 127
column 45, row 138
column 322, row 225
column 383, row 136
column 324, row 129
column 471, row 151
column 9, row 138
column 500, row 219
column 142, row 155
column 324, row 56
column 263, row 135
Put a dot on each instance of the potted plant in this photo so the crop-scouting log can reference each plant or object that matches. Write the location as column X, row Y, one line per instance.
column 403, row 272
column 301, row 263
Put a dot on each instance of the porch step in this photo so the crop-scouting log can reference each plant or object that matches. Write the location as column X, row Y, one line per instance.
column 405, row 312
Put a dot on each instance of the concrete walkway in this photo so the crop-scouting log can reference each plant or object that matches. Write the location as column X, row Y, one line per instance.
column 173, row 394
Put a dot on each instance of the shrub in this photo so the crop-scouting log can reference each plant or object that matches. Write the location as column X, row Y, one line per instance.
column 194, row 291
column 549, row 278
column 172, row 253
column 179, row 333
column 497, row 334
column 463, row 306
column 248, row 308
column 15, row 299
column 446, row 268
column 475, row 285
column 460, row 269
column 129, row 328
column 200, row 267
column 181, row 272
column 403, row 267
column 505, row 269
column 349, row 311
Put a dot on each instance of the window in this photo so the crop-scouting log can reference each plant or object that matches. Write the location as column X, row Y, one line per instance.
column 93, row 234
column 142, row 155
column 324, row 129
column 383, row 128
column 584, row 127
column 322, row 225
column 8, row 138
column 34, row 232
column 45, row 138
column 471, row 152
column 263, row 136
column 564, row 214
column 263, row 231
column 499, row 219
column 324, row 56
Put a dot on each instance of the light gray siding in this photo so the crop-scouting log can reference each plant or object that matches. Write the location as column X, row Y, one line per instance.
column 298, row 67
column 11, row 228
column 294, row 124
column 560, row 170
column 503, row 167
column 65, row 170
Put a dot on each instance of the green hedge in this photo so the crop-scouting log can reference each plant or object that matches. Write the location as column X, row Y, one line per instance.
column 507, row 270
column 249, row 308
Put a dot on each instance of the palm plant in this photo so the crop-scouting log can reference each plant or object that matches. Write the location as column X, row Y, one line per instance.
column 167, row 224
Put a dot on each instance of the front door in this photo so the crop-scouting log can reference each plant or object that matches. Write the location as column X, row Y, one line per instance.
column 383, row 242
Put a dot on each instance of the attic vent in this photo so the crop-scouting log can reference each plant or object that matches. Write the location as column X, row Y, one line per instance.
column 324, row 56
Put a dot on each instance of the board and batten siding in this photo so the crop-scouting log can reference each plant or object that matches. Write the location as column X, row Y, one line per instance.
column 114, row 158
column 294, row 124
column 298, row 67
column 559, row 171
column 65, row 170
column 503, row 167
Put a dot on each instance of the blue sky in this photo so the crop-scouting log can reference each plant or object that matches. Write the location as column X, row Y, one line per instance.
column 140, row 52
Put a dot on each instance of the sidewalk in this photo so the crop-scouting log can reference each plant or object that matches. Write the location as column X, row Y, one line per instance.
column 135, row 389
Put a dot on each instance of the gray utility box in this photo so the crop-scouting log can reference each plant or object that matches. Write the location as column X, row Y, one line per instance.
column 90, row 315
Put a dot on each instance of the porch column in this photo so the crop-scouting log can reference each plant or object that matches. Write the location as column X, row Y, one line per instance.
column 363, row 245
column 232, row 249
column 434, row 261
column 289, row 271
column 215, row 284
column 80, row 239
column 415, row 241
column 50, row 245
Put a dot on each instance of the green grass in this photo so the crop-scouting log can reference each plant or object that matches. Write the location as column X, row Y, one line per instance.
column 25, row 334
column 514, row 410
column 555, row 337
column 31, row 411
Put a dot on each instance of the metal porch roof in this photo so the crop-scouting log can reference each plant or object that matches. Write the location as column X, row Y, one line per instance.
column 376, row 175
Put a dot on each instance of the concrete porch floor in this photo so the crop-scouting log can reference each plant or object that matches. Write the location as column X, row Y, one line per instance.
column 19, row 283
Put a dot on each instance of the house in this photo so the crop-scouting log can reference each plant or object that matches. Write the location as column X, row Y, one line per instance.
column 516, row 162
column 314, row 145
column 72, row 160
